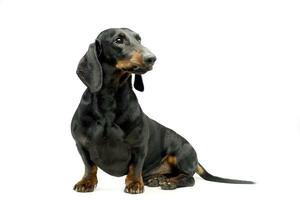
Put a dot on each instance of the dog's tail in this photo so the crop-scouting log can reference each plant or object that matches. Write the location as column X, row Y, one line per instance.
column 207, row 176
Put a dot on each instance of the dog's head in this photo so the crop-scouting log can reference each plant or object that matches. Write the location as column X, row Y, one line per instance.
column 121, row 49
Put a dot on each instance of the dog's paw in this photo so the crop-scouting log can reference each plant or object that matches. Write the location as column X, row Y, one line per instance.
column 168, row 185
column 136, row 187
column 85, row 185
column 152, row 182
column 156, row 181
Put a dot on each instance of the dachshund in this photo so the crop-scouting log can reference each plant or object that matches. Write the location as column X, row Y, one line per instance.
column 113, row 133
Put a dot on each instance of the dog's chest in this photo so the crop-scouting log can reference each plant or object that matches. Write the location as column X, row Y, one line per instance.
column 109, row 151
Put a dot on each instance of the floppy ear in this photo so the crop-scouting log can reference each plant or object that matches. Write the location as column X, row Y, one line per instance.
column 89, row 69
column 138, row 83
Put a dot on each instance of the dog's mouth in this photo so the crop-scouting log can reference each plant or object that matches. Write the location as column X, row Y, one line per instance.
column 138, row 69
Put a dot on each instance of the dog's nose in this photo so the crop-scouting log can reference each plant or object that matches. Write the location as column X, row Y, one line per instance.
column 149, row 60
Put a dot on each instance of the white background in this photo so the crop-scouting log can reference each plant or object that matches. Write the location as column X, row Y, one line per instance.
column 227, row 78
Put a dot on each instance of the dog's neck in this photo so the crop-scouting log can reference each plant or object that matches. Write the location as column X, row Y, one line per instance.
column 115, row 92
column 113, row 78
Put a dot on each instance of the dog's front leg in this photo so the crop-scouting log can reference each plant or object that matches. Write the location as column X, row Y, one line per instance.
column 134, row 180
column 89, row 180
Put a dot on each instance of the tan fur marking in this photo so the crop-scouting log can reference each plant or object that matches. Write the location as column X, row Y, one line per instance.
column 135, row 59
column 172, row 160
column 130, row 178
column 94, row 170
column 91, row 175
column 88, row 182
column 166, row 166
column 134, row 184
column 200, row 170
column 123, row 64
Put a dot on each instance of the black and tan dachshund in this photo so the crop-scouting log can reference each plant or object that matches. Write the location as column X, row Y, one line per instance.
column 113, row 133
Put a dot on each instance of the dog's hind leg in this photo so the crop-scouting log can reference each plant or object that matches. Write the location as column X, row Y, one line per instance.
column 184, row 162
column 176, row 170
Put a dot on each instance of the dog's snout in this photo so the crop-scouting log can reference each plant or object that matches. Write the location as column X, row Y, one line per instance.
column 150, row 59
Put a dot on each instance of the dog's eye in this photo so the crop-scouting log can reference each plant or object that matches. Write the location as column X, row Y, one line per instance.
column 138, row 38
column 119, row 40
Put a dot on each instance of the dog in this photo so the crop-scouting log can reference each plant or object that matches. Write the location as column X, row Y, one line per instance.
column 113, row 133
